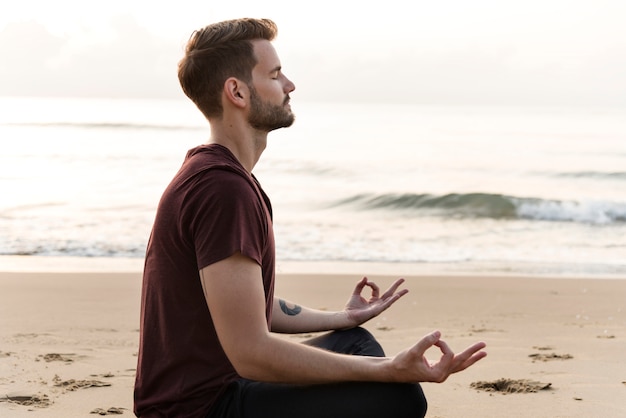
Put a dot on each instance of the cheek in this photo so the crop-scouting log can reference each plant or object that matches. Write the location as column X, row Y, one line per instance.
column 271, row 88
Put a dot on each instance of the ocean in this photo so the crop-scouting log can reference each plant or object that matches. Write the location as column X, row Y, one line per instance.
column 538, row 191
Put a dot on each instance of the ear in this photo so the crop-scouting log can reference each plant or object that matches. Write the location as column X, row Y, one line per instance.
column 236, row 92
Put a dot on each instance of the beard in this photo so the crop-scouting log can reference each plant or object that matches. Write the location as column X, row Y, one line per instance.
column 266, row 116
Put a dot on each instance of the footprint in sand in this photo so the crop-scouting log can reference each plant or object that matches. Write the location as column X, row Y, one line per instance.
column 36, row 400
column 543, row 347
column 66, row 358
column 110, row 411
column 548, row 357
column 72, row 384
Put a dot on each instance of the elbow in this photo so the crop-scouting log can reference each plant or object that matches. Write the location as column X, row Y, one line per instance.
column 253, row 361
column 251, row 369
column 249, row 372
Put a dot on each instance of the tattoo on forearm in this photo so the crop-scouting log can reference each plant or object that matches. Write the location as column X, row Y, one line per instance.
column 287, row 310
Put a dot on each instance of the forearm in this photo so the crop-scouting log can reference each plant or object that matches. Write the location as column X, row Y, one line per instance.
column 269, row 358
column 235, row 296
column 291, row 318
column 274, row 359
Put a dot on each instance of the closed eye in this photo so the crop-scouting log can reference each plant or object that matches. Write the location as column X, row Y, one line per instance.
column 275, row 73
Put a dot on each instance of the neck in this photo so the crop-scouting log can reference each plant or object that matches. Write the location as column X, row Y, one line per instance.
column 245, row 144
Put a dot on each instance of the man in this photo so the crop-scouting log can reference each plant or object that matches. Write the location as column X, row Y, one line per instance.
column 208, row 318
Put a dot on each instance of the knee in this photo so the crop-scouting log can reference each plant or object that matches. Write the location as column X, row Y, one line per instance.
column 364, row 343
column 357, row 334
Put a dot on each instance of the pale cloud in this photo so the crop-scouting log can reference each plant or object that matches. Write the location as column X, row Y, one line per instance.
column 549, row 52
column 129, row 62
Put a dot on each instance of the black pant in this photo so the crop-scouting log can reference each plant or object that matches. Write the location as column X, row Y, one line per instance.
column 249, row 399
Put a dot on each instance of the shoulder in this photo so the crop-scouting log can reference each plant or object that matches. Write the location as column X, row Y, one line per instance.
column 212, row 156
column 209, row 180
column 212, row 167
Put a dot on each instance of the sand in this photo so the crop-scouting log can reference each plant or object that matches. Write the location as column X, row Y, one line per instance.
column 68, row 341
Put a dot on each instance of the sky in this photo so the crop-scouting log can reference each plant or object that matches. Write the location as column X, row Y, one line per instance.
column 458, row 52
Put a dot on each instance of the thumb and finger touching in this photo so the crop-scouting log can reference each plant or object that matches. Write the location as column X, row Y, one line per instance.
column 448, row 363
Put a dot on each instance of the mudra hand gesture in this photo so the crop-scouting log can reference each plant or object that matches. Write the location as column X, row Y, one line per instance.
column 360, row 310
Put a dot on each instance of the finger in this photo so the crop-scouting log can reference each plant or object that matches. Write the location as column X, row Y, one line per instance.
column 447, row 355
column 468, row 357
column 425, row 343
column 471, row 350
column 359, row 286
column 469, row 362
column 444, row 347
column 440, row 370
column 475, row 347
column 392, row 289
column 387, row 302
column 375, row 289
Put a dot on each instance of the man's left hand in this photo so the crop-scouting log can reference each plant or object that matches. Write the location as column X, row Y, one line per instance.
column 360, row 310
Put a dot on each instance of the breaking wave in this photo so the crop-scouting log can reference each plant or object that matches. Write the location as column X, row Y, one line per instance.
column 496, row 206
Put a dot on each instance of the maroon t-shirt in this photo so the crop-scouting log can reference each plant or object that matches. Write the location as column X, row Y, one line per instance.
column 212, row 209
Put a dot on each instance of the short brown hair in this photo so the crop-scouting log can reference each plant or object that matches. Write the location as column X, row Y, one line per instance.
column 217, row 52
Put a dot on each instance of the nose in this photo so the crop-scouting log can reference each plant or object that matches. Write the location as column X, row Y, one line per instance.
column 289, row 86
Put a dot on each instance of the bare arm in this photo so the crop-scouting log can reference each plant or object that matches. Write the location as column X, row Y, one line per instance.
column 289, row 317
column 234, row 293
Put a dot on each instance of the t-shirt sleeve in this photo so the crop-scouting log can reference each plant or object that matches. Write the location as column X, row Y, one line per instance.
column 225, row 217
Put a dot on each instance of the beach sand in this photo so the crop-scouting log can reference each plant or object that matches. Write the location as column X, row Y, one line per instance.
column 68, row 341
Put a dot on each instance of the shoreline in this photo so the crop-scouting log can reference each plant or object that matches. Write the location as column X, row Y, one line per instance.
column 71, row 264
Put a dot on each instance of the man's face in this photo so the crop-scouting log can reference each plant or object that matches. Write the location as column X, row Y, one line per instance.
column 266, row 116
column 269, row 91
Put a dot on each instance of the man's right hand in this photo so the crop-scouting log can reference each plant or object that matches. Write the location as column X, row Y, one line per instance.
column 411, row 365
